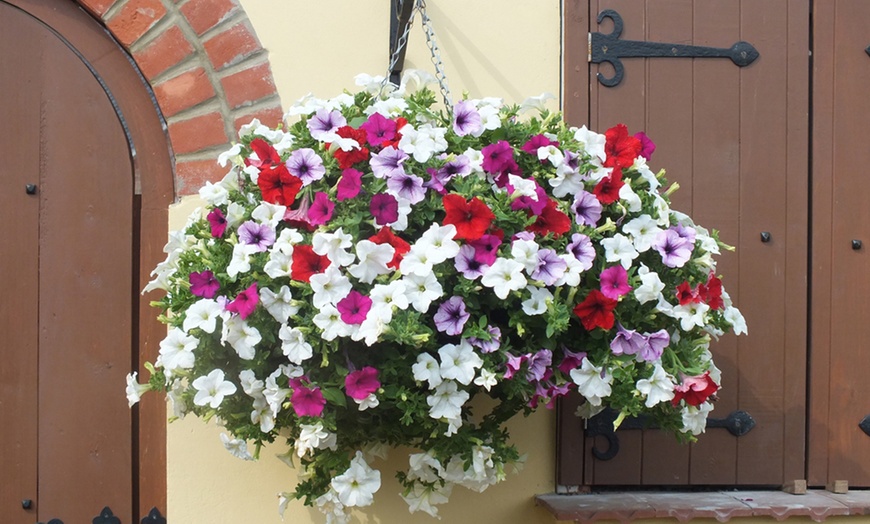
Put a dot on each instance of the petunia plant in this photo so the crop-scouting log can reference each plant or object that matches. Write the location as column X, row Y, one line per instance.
column 370, row 274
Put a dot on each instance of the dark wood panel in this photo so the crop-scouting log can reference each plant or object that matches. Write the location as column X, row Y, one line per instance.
column 19, row 109
column 154, row 181
column 849, row 390
column 85, row 279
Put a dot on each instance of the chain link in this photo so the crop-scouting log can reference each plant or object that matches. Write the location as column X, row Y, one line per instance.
column 402, row 42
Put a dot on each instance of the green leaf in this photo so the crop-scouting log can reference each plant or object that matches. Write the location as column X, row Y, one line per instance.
column 334, row 396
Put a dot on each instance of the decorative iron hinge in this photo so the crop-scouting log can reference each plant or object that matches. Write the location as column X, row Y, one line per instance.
column 107, row 517
column 609, row 48
column 865, row 422
column 738, row 423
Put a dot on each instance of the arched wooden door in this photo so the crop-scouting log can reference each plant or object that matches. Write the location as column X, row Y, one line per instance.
column 70, row 254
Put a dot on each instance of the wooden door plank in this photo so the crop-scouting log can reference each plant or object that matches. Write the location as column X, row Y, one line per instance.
column 716, row 155
column 19, row 109
column 85, row 311
column 849, row 447
column 822, row 224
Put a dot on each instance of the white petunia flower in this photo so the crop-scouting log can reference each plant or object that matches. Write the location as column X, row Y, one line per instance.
column 503, row 277
column 486, row 379
column 279, row 305
column 593, row 382
column 537, row 303
column 214, row 194
column 176, row 350
column 447, row 401
column 526, row 253
column 212, row 388
column 237, row 447
column 373, row 260
column 428, row 370
column 691, row 315
column 293, row 344
column 242, row 336
column 620, row 249
column 421, row 290
column 651, row 286
column 695, row 419
column 438, row 243
column 459, row 362
column 630, row 199
column 334, row 245
column 270, row 214
column 329, row 321
column 643, row 231
column 329, row 287
column 358, row 484
column 134, row 389
column 202, row 314
column 592, row 142
column 313, row 436
column 280, row 264
column 241, row 261
column 657, row 388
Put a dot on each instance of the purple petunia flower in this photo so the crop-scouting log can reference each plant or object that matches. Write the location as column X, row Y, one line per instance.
column 385, row 208
column 587, row 209
column 451, row 316
column 627, row 342
column 460, row 166
column 614, row 282
column 306, row 164
column 349, row 185
column 487, row 346
column 468, row 264
column 674, row 249
column 571, row 360
column 655, row 346
column 324, row 123
column 514, row 364
column 686, row 233
column 582, row 249
column 204, row 284
column 255, row 234
column 218, row 222
column 321, row 209
column 409, row 187
column 539, row 365
column 550, row 267
column 354, row 307
column 466, row 119
column 388, row 162
column 379, row 129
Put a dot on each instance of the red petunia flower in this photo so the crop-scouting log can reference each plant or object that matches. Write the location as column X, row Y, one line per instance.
column 695, row 390
column 472, row 219
column 386, row 236
column 687, row 295
column 278, row 186
column 607, row 190
column 347, row 159
column 596, row 311
column 551, row 220
column 306, row 263
column 266, row 154
column 711, row 292
column 621, row 149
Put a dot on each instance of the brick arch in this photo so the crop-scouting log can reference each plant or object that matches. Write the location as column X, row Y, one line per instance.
column 208, row 71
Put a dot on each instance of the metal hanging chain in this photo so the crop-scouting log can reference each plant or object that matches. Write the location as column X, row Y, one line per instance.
column 436, row 57
column 420, row 5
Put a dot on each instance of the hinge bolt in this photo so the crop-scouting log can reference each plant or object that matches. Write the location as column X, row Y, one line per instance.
column 856, row 245
column 30, row 189
column 26, row 503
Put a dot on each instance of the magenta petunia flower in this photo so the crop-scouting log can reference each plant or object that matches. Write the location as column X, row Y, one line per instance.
column 614, row 282
column 514, row 364
column 571, row 360
column 451, row 316
column 246, row 302
column 307, row 402
column 385, row 208
column 486, row 248
column 362, row 383
column 535, row 205
column 350, row 184
column 354, row 307
column 379, row 129
column 498, row 158
column 218, row 222
column 536, row 142
column 647, row 146
column 321, row 208
column 204, row 284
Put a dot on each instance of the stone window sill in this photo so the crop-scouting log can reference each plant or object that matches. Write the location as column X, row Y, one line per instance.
column 720, row 505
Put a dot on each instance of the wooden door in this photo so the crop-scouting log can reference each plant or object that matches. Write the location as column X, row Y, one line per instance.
column 735, row 139
column 66, row 262
column 840, row 366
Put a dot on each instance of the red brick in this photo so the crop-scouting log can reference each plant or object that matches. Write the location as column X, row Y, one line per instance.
column 205, row 14
column 231, row 46
column 168, row 49
column 185, row 90
column 97, row 7
column 129, row 24
column 270, row 116
column 193, row 174
column 189, row 136
column 248, row 85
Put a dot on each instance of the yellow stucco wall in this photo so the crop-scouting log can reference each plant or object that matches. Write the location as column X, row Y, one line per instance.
column 318, row 47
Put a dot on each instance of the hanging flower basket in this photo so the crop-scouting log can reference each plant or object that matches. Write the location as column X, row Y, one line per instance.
column 370, row 274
